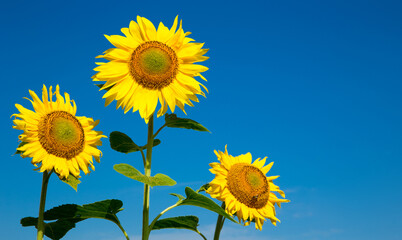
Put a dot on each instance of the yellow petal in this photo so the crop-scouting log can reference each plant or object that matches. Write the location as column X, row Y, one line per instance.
column 120, row 42
column 163, row 33
column 147, row 28
column 192, row 69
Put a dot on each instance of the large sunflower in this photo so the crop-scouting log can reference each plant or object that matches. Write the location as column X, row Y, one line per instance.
column 54, row 137
column 244, row 188
column 150, row 64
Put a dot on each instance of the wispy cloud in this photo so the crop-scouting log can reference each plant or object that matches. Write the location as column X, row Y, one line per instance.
column 323, row 233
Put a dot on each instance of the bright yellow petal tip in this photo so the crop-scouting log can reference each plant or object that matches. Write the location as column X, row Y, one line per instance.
column 54, row 137
column 151, row 66
column 244, row 188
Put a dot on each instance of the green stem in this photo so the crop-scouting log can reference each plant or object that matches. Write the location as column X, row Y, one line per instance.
column 124, row 232
column 219, row 224
column 143, row 157
column 163, row 212
column 160, row 129
column 147, row 170
column 202, row 236
column 41, row 224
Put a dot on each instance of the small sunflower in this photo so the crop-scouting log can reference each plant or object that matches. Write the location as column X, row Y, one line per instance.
column 150, row 64
column 244, row 188
column 54, row 137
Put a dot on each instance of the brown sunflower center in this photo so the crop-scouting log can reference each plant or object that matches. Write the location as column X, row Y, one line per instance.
column 61, row 134
column 153, row 65
column 248, row 185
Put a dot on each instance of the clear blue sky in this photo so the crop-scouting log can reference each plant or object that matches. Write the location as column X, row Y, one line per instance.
column 313, row 85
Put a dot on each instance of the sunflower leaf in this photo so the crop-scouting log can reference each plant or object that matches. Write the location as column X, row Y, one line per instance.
column 180, row 197
column 66, row 216
column 130, row 172
column 53, row 230
column 72, row 181
column 195, row 199
column 171, row 120
column 182, row 222
column 123, row 143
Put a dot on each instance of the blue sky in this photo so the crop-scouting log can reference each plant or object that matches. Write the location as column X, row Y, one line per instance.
column 313, row 85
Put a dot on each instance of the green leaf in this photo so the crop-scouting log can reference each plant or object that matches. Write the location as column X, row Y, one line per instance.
column 20, row 145
column 157, row 180
column 72, row 181
column 178, row 195
column 181, row 222
column 123, row 143
column 195, row 199
column 173, row 121
column 54, row 230
column 66, row 216
column 186, row 222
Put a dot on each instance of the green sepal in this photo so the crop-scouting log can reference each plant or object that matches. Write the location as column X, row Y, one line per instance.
column 66, row 216
column 20, row 145
column 100, row 85
column 122, row 143
column 171, row 120
column 130, row 172
column 203, row 188
column 72, row 181
column 195, row 199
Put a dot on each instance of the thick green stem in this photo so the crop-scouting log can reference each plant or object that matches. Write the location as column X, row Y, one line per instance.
column 219, row 224
column 41, row 224
column 147, row 170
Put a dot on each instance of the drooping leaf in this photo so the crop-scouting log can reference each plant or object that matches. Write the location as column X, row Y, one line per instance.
column 195, row 199
column 186, row 222
column 173, row 121
column 66, row 216
column 123, row 143
column 181, row 222
column 53, row 230
column 72, row 181
column 131, row 172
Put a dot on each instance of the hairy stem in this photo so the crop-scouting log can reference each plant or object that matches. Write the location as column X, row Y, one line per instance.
column 41, row 224
column 219, row 224
column 147, row 170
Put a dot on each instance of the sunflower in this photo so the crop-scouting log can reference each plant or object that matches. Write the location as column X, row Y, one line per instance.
column 150, row 64
column 54, row 137
column 245, row 189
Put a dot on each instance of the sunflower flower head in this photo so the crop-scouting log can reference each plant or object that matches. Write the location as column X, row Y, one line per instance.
column 245, row 189
column 150, row 65
column 54, row 137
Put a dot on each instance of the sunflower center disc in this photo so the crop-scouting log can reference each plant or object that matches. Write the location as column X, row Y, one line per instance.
column 61, row 134
column 248, row 185
column 153, row 65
